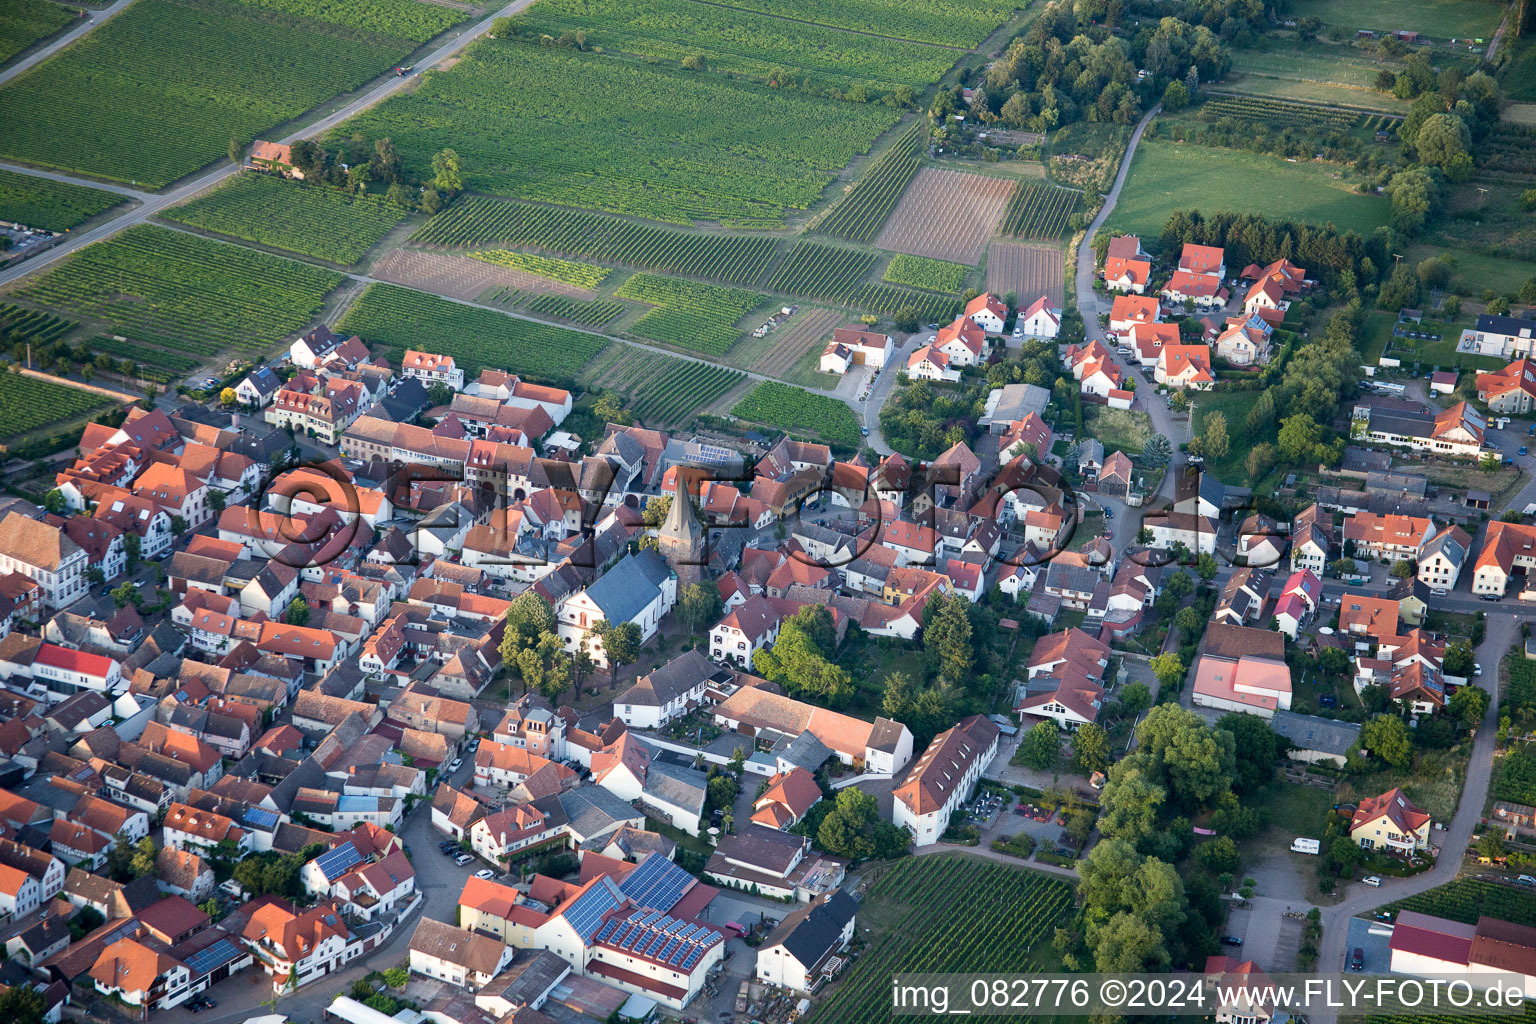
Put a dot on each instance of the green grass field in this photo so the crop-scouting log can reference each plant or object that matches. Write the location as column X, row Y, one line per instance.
column 158, row 91
column 24, row 22
column 50, row 205
column 1166, row 177
column 654, row 141
column 1473, row 271
column 1439, row 19
column 315, row 220
column 1518, row 79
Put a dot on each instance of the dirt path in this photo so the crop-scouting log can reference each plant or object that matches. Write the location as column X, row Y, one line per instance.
column 78, row 385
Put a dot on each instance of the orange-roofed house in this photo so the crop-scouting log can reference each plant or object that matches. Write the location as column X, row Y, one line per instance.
column 1390, row 822
column 297, row 948
column 1127, row 275
column 1202, row 290
column 431, row 368
column 943, row 778
column 1251, row 684
column 1039, row 319
column 1507, row 547
column 188, row 827
column 1244, row 341
column 1147, row 341
column 789, row 796
column 276, row 157
column 851, row 347
column 1367, row 616
column 988, row 312
column 1130, row 310
column 931, row 363
column 1205, row 260
column 501, row 764
column 1185, row 366
column 1510, row 391
column 962, row 341
column 140, row 975
column 1388, row 535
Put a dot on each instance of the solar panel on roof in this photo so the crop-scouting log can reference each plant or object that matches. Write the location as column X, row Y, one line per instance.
column 692, row 958
column 711, row 938
column 651, row 917
column 333, row 863
column 676, row 926
column 216, row 955
column 655, row 944
column 657, row 882
column 634, row 936
column 261, row 817
column 679, row 955
column 689, row 931
column 586, row 914
column 607, row 930
column 668, row 950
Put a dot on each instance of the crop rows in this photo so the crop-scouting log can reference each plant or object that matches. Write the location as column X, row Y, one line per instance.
column 478, row 220
column 158, row 91
column 399, row 318
column 1279, row 113
column 24, row 22
column 1467, row 899
column 50, row 205
column 821, row 271
column 192, row 294
column 1381, row 123
column 27, row 403
column 890, row 300
column 798, row 411
column 1039, row 211
column 872, row 197
column 587, row 314
column 315, row 220
column 1516, row 781
column 947, row 22
column 982, row 918
column 1526, row 1016
column 649, row 140
column 31, row 325
column 688, row 314
column 582, row 275
column 663, row 390
column 922, row 272
column 152, row 363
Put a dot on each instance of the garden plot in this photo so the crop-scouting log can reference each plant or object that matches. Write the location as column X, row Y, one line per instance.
column 789, row 344
column 467, row 279
column 1028, row 271
column 947, row 215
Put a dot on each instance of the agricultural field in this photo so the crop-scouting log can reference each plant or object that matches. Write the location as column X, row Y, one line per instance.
column 1439, row 19
column 1279, row 113
column 199, row 72
column 962, row 23
column 313, row 220
column 1486, row 217
column 947, row 913
column 1467, row 899
column 192, row 294
column 27, row 403
column 1040, row 211
column 947, row 215
column 31, row 325
column 922, row 272
column 1165, row 177
column 1518, row 79
column 787, row 345
column 1320, row 73
column 1472, row 271
column 870, row 199
column 24, row 22
column 1515, row 780
column 741, row 42
column 1029, row 271
column 668, row 153
column 890, row 300
column 699, row 317
column 586, row 314
column 799, row 412
column 50, row 205
column 1526, row 1016
column 460, row 278
column 398, row 318
column 1507, row 149
column 580, row 275
column 153, row 363
column 821, row 271
column 662, row 390
column 480, row 220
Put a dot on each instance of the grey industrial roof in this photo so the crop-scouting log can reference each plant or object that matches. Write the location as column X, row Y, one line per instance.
column 1309, row 732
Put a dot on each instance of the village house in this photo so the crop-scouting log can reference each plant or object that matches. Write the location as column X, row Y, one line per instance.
column 944, row 777
column 852, row 347
column 1390, row 823
column 431, row 368
column 1510, row 391
column 1503, row 337
column 1508, row 549
column 1039, row 319
column 1185, row 366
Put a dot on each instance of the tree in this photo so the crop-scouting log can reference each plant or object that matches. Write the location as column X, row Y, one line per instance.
column 1214, row 436
column 621, row 643
column 947, row 633
column 1175, row 97
column 447, row 173
column 1178, row 401
column 1459, row 659
column 439, row 393
column 1451, row 306
column 55, row 502
column 1157, row 451
column 1090, row 748
column 1402, row 569
column 905, row 319
column 1441, row 139
column 236, row 151
column 22, row 1004
column 853, row 828
column 1260, row 460
column 1490, row 845
column 1386, row 737
column 528, row 618
column 1468, row 704
column 1169, row 669
column 1040, row 746
column 143, row 862
column 799, row 660
column 297, row 613
column 1134, row 699
column 1298, row 435
column 1206, row 567
column 126, row 593
column 228, row 397
column 699, row 606
column 1179, row 585
column 1256, row 749
column 1189, row 622
column 132, row 544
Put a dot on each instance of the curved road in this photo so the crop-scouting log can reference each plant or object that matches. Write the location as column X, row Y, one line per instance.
column 153, row 204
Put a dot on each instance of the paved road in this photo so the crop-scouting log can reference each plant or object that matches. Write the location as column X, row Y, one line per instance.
column 1090, row 305
column 69, row 179
column 86, row 24
column 153, row 204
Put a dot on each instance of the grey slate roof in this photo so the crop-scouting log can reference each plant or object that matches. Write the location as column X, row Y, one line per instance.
column 629, row 586
column 672, row 680
column 678, row 786
column 591, row 810
column 1309, row 732
column 810, row 935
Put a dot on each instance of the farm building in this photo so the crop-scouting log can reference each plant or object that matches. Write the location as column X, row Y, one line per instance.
column 850, row 347
column 273, row 156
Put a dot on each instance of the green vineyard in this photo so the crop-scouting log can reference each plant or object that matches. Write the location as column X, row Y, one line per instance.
column 1039, row 211
column 922, row 272
column 50, row 205
column 152, row 363
column 582, row 275
column 27, row 403
column 398, row 318
column 662, row 390
column 192, row 294
column 587, row 314
column 891, row 300
column 1278, row 113
column 947, row 913
column 478, row 220
column 797, row 411
column 1527, row 1016
column 1467, row 899
column 821, row 271
column 31, row 325
column 690, row 315
column 313, row 220
column 874, row 195
column 24, row 22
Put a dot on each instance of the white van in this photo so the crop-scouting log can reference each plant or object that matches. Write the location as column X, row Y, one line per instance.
column 1372, row 881
column 1301, row 845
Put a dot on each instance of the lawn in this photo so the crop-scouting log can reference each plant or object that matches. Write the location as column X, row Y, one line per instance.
column 1439, row 19
column 1375, row 335
column 1485, row 217
column 1519, row 77
column 1298, row 810
column 1473, row 271
column 1118, row 429
column 1234, row 405
column 1165, row 177
column 50, row 205
column 654, row 141
column 158, row 91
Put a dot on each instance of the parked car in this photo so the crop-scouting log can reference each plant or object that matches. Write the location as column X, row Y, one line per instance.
column 1526, row 880
column 1109, row 513
column 462, row 859
column 1328, row 700
column 1440, row 592
column 1477, row 669
column 1492, row 444
column 1373, row 881
column 485, row 873
column 1522, row 449
column 1231, row 940
column 1357, row 959
column 455, row 764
